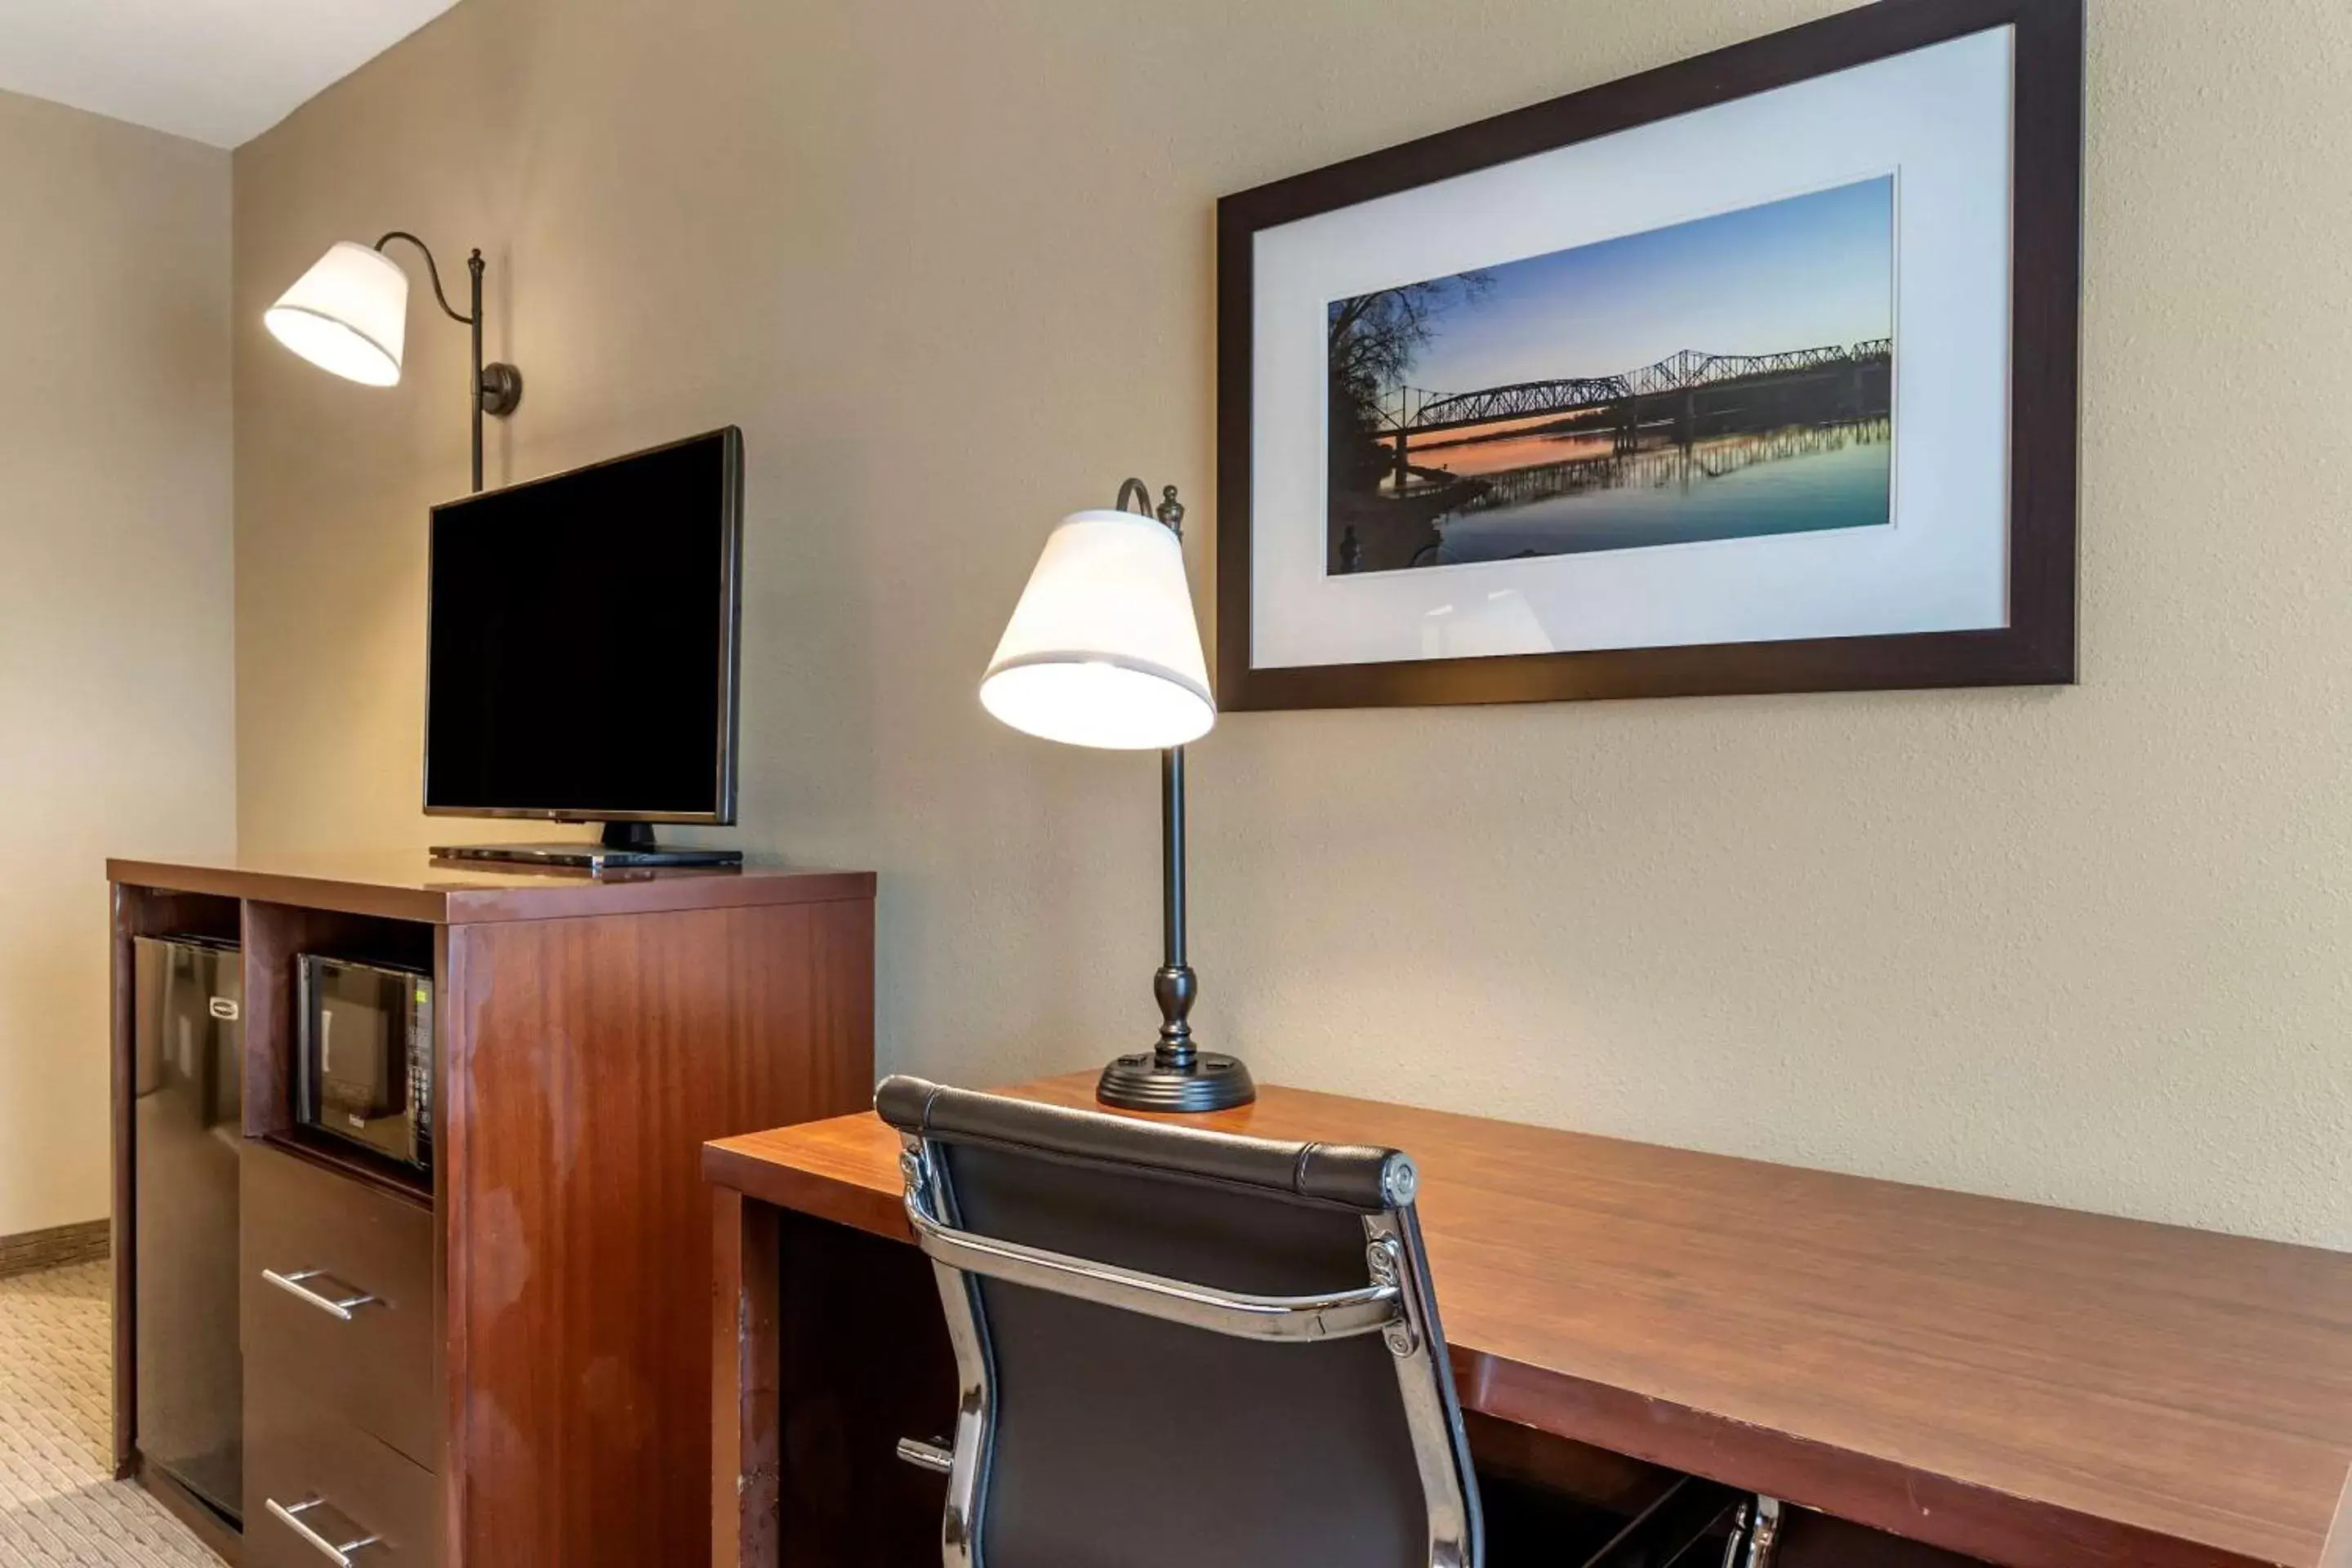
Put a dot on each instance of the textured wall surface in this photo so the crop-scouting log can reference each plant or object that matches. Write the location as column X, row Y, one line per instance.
column 949, row 267
column 116, row 692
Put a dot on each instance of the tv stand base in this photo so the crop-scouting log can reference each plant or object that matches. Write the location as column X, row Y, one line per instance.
column 625, row 845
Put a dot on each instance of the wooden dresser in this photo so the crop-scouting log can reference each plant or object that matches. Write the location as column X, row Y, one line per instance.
column 528, row 1383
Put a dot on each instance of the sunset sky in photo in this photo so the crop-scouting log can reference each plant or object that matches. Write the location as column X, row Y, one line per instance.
column 1801, row 273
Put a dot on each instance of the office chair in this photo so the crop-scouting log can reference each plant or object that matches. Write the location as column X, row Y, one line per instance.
column 1180, row 1349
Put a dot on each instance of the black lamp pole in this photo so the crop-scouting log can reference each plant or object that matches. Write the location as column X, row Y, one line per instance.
column 1175, row 1074
column 496, row 388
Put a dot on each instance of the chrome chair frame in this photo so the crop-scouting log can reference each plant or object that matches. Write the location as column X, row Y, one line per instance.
column 1389, row 1304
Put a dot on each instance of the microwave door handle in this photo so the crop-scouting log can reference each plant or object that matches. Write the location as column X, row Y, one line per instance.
column 338, row 1306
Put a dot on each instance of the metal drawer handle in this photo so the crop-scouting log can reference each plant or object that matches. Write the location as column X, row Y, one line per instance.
column 339, row 1554
column 931, row 1457
column 337, row 1305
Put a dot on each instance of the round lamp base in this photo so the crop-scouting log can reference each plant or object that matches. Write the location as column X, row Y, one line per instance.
column 1211, row 1083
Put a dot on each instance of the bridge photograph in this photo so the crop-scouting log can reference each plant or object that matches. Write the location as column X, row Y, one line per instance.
column 1727, row 377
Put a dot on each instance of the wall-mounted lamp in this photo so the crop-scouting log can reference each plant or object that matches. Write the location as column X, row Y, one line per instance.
column 348, row 314
column 1103, row 650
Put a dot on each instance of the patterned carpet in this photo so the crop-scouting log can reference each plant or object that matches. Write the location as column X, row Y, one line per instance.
column 58, row 1507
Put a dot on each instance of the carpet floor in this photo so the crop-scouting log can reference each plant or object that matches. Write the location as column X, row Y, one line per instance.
column 58, row 1506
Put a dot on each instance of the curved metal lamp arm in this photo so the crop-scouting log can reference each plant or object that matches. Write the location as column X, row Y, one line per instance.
column 496, row 388
column 431, row 270
column 1169, row 511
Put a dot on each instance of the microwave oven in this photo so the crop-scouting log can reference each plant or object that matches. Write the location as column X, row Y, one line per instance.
column 365, row 1039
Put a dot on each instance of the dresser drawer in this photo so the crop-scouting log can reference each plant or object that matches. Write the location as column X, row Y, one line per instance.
column 339, row 1299
column 307, row 1469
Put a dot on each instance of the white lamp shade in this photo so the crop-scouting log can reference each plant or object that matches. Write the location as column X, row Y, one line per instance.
column 348, row 314
column 1103, row 650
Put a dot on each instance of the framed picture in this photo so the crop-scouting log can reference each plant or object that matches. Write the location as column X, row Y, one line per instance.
column 1755, row 373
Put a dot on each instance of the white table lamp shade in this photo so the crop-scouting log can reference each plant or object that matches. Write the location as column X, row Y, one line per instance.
column 1103, row 650
column 348, row 314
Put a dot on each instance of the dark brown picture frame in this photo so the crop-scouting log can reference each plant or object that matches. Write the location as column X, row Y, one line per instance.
column 2037, row 647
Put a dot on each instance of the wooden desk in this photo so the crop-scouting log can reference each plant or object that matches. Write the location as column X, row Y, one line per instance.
column 2031, row 1386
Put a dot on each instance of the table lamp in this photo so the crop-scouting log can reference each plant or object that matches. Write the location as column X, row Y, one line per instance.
column 1102, row 650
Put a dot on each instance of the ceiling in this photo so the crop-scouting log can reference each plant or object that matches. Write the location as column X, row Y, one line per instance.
column 222, row 71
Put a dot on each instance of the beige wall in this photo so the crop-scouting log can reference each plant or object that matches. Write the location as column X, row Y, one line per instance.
column 949, row 267
column 116, row 621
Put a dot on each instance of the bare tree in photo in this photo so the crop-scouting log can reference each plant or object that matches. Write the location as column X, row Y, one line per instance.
column 1369, row 348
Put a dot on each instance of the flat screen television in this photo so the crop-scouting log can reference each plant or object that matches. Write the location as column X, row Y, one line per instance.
column 583, row 653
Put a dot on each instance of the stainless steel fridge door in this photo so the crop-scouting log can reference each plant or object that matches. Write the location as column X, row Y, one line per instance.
column 188, row 1129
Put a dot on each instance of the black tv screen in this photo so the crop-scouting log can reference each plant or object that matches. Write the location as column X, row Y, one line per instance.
column 583, row 653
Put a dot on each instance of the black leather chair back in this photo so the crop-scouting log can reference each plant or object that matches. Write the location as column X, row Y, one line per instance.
column 1182, row 1349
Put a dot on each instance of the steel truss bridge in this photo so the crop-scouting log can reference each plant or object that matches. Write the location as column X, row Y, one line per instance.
column 1419, row 412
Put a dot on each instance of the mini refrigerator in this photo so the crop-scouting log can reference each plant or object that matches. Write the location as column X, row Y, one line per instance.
column 187, row 1126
